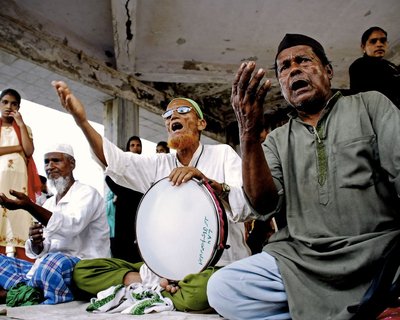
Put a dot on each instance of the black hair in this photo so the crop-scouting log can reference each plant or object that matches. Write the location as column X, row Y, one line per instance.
column 367, row 34
column 11, row 92
column 132, row 138
column 163, row 144
column 43, row 179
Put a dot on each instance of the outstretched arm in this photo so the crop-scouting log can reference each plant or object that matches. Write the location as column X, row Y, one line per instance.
column 248, row 95
column 22, row 201
column 77, row 110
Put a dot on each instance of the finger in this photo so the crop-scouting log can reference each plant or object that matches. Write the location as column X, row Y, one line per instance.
column 172, row 176
column 174, row 289
column 168, row 287
column 237, row 78
column 14, row 193
column 245, row 78
column 253, row 86
column 262, row 92
column 163, row 283
column 183, row 176
column 18, row 195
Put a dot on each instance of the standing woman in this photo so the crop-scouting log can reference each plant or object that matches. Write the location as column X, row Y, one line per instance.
column 372, row 71
column 17, row 171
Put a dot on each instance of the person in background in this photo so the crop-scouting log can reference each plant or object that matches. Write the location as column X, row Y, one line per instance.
column 126, row 202
column 334, row 170
column 134, row 145
column 71, row 225
column 17, row 171
column 372, row 71
column 44, row 194
column 218, row 165
column 162, row 147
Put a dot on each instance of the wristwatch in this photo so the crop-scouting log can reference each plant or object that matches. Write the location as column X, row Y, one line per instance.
column 225, row 190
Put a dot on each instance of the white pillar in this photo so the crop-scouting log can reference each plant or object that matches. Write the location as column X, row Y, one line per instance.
column 121, row 121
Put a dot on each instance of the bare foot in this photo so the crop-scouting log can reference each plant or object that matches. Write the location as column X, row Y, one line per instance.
column 169, row 286
column 132, row 277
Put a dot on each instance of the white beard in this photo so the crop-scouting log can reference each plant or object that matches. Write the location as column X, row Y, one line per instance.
column 59, row 184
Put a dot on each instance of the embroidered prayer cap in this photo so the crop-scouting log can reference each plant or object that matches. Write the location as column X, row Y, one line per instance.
column 194, row 104
column 294, row 39
column 62, row 148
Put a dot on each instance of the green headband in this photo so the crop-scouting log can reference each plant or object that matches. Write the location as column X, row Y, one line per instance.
column 194, row 104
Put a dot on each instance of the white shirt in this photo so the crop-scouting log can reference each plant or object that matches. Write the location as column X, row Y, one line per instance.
column 78, row 226
column 217, row 162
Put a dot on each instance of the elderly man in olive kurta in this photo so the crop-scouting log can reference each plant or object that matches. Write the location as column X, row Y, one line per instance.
column 336, row 167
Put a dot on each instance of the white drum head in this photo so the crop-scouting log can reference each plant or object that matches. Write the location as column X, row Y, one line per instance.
column 177, row 228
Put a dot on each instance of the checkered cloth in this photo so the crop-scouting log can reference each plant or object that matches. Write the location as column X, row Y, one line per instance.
column 52, row 274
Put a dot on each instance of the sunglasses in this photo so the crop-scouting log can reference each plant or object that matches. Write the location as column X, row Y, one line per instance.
column 382, row 40
column 181, row 110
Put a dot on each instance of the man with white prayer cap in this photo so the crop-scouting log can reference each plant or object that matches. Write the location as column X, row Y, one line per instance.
column 72, row 225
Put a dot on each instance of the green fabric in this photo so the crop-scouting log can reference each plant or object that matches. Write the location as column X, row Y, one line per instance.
column 95, row 275
column 321, row 154
column 23, row 295
column 192, row 295
column 110, row 210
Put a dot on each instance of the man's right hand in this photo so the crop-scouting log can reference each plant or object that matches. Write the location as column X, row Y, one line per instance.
column 77, row 110
column 36, row 237
column 70, row 102
column 22, row 201
column 247, row 99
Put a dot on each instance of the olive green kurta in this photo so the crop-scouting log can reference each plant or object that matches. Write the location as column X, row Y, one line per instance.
column 341, row 182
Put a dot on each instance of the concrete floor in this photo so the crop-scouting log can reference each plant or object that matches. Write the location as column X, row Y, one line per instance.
column 77, row 310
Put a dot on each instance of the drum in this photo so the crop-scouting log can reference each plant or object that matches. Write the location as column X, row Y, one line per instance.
column 180, row 229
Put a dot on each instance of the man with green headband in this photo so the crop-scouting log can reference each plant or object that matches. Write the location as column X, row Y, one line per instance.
column 334, row 168
column 219, row 165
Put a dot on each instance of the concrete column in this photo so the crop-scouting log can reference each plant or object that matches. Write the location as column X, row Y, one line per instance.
column 121, row 121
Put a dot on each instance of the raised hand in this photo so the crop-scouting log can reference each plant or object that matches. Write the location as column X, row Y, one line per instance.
column 70, row 102
column 247, row 99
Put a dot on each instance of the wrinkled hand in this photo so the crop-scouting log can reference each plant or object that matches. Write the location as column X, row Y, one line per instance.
column 21, row 200
column 247, row 99
column 184, row 174
column 70, row 102
column 171, row 287
column 36, row 237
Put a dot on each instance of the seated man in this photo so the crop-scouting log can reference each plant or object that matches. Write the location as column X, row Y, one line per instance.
column 219, row 165
column 72, row 225
column 335, row 169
